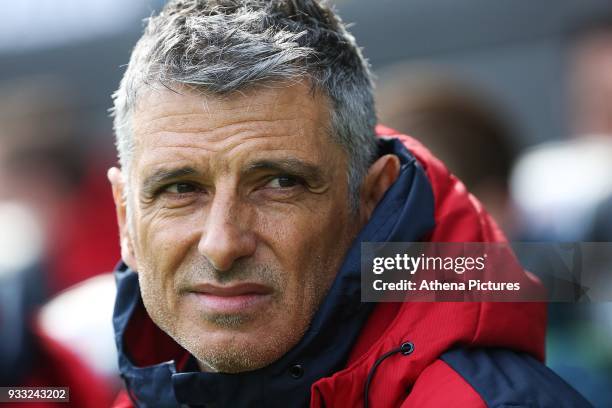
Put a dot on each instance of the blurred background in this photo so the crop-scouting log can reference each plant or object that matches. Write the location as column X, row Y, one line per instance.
column 514, row 96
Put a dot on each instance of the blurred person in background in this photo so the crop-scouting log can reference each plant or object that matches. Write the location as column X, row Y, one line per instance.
column 590, row 96
column 47, row 176
column 563, row 191
column 460, row 124
column 49, row 164
column 590, row 78
column 558, row 186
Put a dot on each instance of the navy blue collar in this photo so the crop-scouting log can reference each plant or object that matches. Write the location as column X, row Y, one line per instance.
column 404, row 214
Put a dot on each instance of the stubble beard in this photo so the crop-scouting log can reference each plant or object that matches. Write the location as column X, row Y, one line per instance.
column 237, row 355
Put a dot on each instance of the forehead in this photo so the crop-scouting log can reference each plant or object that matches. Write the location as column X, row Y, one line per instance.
column 185, row 125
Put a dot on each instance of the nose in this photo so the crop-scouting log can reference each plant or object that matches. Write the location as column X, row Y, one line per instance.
column 226, row 236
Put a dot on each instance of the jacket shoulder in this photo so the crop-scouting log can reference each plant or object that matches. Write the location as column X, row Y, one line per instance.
column 441, row 386
column 504, row 378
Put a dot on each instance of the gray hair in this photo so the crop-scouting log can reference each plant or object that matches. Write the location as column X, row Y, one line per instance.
column 222, row 46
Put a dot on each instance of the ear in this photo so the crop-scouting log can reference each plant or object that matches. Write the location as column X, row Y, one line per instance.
column 127, row 248
column 381, row 175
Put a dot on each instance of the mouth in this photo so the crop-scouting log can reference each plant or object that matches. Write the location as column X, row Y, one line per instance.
column 237, row 298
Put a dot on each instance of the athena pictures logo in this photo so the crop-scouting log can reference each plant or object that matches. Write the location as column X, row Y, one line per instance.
column 476, row 272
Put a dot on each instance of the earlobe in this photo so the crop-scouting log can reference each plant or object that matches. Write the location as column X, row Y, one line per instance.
column 127, row 250
column 381, row 175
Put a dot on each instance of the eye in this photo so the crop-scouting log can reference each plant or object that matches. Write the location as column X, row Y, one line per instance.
column 180, row 188
column 284, row 181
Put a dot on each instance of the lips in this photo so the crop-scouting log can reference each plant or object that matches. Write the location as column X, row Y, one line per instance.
column 237, row 298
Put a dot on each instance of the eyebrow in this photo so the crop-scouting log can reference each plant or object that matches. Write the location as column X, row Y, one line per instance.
column 163, row 175
column 292, row 166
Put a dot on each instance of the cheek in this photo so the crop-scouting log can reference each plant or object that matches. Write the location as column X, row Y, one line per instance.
column 164, row 241
column 163, row 245
column 309, row 247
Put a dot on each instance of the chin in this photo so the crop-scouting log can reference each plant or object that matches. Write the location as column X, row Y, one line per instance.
column 235, row 351
column 235, row 356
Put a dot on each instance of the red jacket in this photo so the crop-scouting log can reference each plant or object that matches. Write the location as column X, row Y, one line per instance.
column 459, row 354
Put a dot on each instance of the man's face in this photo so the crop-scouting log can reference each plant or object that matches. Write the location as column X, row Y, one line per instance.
column 240, row 219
